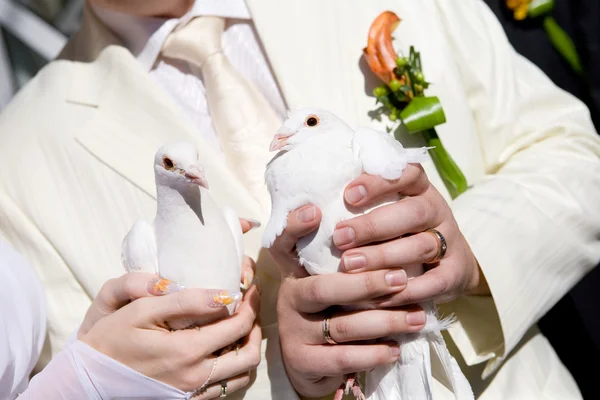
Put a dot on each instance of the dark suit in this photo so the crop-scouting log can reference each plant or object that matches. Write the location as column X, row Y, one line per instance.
column 573, row 325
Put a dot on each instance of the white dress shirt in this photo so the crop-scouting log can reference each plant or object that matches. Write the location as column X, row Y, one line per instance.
column 144, row 37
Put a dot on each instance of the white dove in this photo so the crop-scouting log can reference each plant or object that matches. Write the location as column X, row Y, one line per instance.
column 192, row 241
column 319, row 155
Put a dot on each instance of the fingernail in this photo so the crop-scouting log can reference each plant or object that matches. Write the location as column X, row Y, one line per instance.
column 222, row 298
column 395, row 351
column 396, row 278
column 307, row 215
column 356, row 194
column 343, row 236
column 164, row 286
column 354, row 262
column 247, row 280
column 416, row 318
column 253, row 223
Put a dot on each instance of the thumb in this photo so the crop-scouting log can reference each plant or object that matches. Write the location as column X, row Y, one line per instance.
column 117, row 293
column 300, row 222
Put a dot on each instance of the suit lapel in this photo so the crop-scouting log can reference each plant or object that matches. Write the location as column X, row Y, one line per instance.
column 133, row 117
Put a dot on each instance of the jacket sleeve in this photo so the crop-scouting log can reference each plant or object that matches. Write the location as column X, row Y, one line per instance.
column 532, row 221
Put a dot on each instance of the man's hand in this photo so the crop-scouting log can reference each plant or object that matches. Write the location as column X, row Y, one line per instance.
column 393, row 236
column 316, row 368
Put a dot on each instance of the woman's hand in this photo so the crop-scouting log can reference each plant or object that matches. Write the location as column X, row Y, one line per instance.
column 136, row 335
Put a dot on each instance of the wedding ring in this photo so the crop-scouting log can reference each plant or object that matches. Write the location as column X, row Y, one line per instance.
column 223, row 388
column 326, row 332
column 205, row 384
column 442, row 245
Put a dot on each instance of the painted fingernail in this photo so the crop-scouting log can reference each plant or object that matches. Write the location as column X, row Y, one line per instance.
column 395, row 351
column 356, row 194
column 354, row 262
column 253, row 223
column 307, row 215
column 416, row 318
column 396, row 278
column 247, row 279
column 222, row 298
column 163, row 286
column 343, row 236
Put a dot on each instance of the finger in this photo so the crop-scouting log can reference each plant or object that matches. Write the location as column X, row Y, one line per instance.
column 381, row 323
column 439, row 284
column 368, row 188
column 420, row 248
column 115, row 294
column 118, row 292
column 234, row 384
column 409, row 215
column 245, row 359
column 316, row 293
column 346, row 359
column 248, row 272
column 249, row 224
column 200, row 305
column 221, row 333
column 300, row 222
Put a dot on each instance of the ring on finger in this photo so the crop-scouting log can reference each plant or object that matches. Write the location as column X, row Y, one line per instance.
column 327, row 333
column 442, row 245
column 223, row 388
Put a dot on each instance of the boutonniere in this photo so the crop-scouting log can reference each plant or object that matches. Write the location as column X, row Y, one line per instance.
column 401, row 97
column 524, row 9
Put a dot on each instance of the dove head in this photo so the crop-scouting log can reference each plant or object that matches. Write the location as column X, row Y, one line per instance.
column 177, row 163
column 307, row 126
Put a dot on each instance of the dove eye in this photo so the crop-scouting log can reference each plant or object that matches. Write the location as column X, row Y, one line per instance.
column 168, row 163
column 312, row 120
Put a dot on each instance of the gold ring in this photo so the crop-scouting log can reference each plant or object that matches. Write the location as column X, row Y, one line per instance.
column 442, row 245
column 223, row 388
column 326, row 332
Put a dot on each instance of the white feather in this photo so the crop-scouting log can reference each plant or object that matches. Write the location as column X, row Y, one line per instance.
column 314, row 167
column 192, row 242
column 138, row 251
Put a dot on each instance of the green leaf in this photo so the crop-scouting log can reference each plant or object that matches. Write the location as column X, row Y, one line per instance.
column 540, row 7
column 563, row 43
column 422, row 113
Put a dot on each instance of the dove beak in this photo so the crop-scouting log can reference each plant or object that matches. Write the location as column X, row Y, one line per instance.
column 280, row 140
column 195, row 174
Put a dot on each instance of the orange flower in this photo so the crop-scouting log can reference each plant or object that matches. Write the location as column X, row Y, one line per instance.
column 520, row 8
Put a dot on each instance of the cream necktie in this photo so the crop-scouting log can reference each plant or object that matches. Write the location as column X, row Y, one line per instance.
column 243, row 119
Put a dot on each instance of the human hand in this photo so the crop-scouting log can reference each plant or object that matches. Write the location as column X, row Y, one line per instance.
column 137, row 336
column 314, row 367
column 394, row 236
column 119, row 292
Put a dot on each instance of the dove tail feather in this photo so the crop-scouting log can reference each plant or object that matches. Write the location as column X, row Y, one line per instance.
column 409, row 378
column 460, row 385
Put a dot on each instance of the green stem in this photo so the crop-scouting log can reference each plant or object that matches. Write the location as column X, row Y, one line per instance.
column 563, row 43
column 451, row 175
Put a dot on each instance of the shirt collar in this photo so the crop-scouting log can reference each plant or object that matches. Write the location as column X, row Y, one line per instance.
column 144, row 36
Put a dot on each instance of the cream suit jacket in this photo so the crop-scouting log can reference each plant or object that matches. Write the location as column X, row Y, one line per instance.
column 77, row 145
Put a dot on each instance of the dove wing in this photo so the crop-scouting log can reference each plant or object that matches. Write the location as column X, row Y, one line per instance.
column 138, row 250
column 382, row 155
